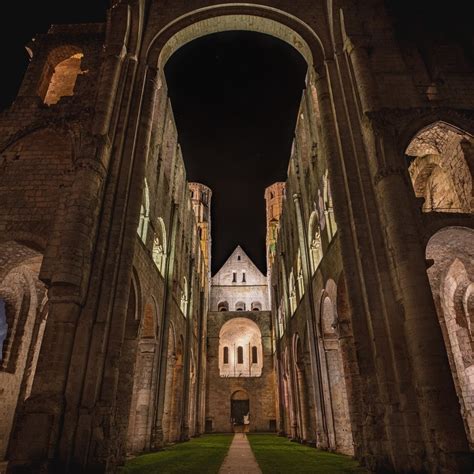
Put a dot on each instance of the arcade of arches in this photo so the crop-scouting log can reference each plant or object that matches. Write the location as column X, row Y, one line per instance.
column 358, row 340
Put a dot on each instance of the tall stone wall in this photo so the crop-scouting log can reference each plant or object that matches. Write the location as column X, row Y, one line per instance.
column 351, row 298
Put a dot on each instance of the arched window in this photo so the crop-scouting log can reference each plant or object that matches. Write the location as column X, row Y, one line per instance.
column 254, row 355
column 256, row 306
column 315, row 245
column 159, row 246
column 299, row 276
column 63, row 79
column 240, row 306
column 142, row 229
column 226, row 355
column 292, row 292
column 328, row 317
column 281, row 319
column 243, row 278
column 328, row 208
column 223, row 306
column 240, row 355
column 184, row 297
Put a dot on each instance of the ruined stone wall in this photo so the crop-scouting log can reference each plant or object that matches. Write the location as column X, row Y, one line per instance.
column 260, row 390
column 350, row 205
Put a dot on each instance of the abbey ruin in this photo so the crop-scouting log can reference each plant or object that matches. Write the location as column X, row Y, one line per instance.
column 116, row 339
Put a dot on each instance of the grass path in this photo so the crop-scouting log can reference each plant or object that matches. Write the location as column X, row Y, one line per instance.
column 202, row 455
column 277, row 455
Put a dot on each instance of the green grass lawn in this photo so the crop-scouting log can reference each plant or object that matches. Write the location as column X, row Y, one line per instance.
column 277, row 455
column 197, row 456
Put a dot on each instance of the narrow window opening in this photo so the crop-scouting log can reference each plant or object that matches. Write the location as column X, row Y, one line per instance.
column 226, row 355
column 3, row 326
column 234, row 277
column 243, row 278
column 240, row 355
column 254, row 355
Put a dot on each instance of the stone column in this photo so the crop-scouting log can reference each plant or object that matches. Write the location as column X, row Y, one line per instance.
column 184, row 435
column 432, row 378
column 157, row 440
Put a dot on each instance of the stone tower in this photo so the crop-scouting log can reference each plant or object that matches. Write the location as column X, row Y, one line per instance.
column 274, row 203
column 201, row 197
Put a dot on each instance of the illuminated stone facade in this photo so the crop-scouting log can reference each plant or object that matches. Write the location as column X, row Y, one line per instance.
column 201, row 197
column 103, row 277
column 239, row 285
column 273, row 202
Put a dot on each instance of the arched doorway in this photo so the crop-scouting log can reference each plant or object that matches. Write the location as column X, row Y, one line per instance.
column 239, row 410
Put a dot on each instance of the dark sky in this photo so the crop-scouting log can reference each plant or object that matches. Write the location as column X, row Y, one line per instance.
column 235, row 98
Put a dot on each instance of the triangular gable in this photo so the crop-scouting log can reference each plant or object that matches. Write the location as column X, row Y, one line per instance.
column 253, row 275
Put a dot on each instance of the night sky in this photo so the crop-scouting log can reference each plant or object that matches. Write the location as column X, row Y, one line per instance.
column 235, row 97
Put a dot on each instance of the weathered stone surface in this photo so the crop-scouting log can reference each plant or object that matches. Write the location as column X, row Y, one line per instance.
column 108, row 345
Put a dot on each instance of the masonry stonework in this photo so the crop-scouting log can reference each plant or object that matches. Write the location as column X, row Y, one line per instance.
column 109, row 327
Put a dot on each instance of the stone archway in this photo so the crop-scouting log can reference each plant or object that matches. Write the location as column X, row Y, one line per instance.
column 452, row 282
column 239, row 409
column 22, row 325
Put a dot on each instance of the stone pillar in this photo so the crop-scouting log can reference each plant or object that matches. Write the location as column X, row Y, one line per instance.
column 157, row 441
column 278, row 361
column 184, row 435
column 302, row 391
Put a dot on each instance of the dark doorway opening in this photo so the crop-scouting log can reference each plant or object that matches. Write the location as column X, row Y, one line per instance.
column 239, row 408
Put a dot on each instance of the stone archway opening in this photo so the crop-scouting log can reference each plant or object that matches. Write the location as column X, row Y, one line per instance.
column 259, row 22
column 23, row 313
column 452, row 283
column 239, row 410
column 441, row 169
